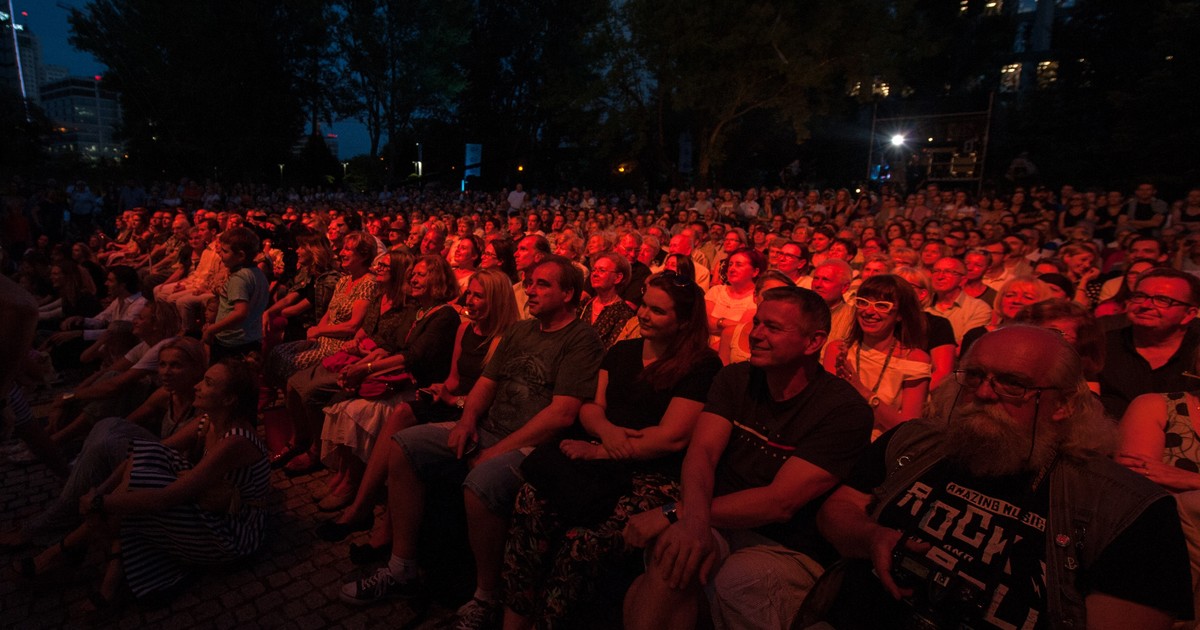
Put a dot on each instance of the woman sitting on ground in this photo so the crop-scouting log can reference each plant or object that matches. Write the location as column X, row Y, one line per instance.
column 883, row 357
column 75, row 295
column 115, row 391
column 649, row 394
column 195, row 499
column 181, row 365
column 414, row 337
column 490, row 310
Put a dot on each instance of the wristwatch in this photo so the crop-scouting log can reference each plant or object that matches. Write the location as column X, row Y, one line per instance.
column 875, row 401
column 670, row 512
column 460, row 402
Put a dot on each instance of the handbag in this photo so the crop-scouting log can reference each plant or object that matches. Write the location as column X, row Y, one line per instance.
column 377, row 385
column 583, row 491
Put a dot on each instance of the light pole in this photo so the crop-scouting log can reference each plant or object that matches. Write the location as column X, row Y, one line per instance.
column 281, row 175
column 345, row 165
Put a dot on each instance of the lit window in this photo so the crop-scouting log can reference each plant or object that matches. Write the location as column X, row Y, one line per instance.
column 1010, row 77
column 1047, row 73
column 963, row 5
column 993, row 7
column 879, row 88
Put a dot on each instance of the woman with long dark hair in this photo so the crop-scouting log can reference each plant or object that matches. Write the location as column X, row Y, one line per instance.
column 649, row 394
column 883, row 357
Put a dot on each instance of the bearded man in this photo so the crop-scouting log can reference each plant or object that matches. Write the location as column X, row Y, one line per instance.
column 1000, row 509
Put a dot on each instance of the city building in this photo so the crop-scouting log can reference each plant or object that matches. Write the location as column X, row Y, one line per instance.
column 29, row 70
column 86, row 116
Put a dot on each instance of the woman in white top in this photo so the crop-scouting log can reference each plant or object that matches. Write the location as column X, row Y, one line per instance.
column 883, row 357
column 732, row 303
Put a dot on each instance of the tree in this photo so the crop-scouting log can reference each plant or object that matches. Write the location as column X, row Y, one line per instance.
column 403, row 60
column 1120, row 109
column 203, row 85
column 715, row 62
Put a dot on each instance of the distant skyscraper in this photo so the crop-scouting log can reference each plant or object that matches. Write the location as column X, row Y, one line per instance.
column 30, row 58
column 85, row 117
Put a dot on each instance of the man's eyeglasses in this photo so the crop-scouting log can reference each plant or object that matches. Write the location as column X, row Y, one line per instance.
column 1160, row 301
column 883, row 307
column 1005, row 386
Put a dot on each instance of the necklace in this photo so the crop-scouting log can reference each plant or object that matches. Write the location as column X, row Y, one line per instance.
column 858, row 363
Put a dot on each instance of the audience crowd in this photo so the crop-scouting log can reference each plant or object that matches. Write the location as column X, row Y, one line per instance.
column 741, row 409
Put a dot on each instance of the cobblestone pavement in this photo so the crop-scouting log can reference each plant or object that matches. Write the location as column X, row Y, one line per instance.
column 291, row 583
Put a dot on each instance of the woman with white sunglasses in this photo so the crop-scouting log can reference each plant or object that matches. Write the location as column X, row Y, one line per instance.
column 883, row 357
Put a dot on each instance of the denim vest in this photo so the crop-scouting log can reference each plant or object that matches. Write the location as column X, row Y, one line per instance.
column 1092, row 500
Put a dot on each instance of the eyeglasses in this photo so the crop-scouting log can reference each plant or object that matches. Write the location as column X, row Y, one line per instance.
column 883, row 307
column 1003, row 385
column 1160, row 301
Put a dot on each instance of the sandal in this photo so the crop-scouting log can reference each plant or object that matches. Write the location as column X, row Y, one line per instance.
column 289, row 452
column 303, row 464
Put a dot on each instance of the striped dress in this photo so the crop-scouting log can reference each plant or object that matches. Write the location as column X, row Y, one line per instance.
column 158, row 548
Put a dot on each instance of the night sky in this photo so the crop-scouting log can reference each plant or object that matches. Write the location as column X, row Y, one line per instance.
column 48, row 20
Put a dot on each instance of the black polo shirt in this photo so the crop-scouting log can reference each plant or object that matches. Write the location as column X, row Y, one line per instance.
column 1127, row 375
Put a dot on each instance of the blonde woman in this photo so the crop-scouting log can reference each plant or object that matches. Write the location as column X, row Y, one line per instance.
column 1015, row 295
column 490, row 311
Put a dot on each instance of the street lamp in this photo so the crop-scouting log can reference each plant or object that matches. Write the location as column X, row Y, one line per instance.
column 345, row 165
column 898, row 140
column 281, row 175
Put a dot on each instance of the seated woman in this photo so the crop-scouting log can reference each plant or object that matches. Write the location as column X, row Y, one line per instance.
column 352, row 298
column 347, row 310
column 490, row 310
column 606, row 311
column 465, row 257
column 735, row 341
column 414, row 337
column 1016, row 294
column 1159, row 441
column 113, row 392
column 733, row 302
column 883, row 357
column 195, row 499
column 75, row 295
column 649, row 394
column 181, row 365
column 306, row 297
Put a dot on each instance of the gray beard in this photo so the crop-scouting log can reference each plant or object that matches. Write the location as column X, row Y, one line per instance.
column 985, row 441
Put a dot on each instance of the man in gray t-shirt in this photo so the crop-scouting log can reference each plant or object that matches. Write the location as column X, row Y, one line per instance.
column 528, row 394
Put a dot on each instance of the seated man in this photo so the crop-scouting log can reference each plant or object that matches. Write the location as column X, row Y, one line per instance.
column 777, row 434
column 1003, row 497
column 543, row 370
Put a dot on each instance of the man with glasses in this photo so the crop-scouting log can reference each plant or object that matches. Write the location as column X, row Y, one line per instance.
column 999, row 509
column 777, row 434
column 1151, row 354
column 951, row 302
column 791, row 259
